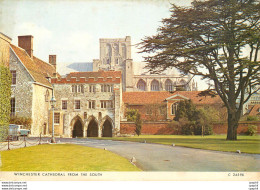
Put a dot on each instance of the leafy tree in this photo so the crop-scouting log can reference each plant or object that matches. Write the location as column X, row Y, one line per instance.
column 135, row 116
column 192, row 120
column 216, row 39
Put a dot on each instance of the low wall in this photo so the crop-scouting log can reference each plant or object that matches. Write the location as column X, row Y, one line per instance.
column 162, row 128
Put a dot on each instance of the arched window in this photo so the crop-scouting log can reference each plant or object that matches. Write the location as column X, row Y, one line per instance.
column 174, row 108
column 154, row 85
column 168, row 85
column 141, row 85
column 116, row 49
column 108, row 50
column 124, row 50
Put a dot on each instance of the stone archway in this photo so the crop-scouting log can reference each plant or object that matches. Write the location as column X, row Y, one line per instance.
column 107, row 129
column 77, row 129
column 92, row 130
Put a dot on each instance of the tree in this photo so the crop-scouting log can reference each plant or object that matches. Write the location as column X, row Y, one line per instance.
column 135, row 116
column 216, row 39
column 192, row 120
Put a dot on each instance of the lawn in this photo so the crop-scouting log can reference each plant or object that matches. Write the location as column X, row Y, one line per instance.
column 246, row 144
column 63, row 157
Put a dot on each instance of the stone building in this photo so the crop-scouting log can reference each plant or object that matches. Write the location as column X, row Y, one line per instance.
column 115, row 54
column 31, row 87
column 88, row 104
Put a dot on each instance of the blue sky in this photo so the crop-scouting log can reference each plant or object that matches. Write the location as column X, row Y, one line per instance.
column 71, row 29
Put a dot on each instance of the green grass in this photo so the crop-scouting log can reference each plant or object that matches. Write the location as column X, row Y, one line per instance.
column 246, row 144
column 63, row 157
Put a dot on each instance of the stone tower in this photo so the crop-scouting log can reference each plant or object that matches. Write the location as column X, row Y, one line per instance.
column 115, row 54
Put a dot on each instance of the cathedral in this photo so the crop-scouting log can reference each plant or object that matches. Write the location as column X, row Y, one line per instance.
column 115, row 54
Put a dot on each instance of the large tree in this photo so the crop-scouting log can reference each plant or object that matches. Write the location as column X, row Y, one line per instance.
column 216, row 39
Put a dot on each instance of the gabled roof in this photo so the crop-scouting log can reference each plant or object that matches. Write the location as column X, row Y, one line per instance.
column 141, row 98
column 37, row 68
column 255, row 110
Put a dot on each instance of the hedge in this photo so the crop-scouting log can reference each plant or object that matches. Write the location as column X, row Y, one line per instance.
column 5, row 96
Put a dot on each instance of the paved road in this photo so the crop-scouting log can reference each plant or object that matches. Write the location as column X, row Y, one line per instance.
column 155, row 157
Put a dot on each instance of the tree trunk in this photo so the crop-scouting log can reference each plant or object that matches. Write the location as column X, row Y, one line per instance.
column 232, row 126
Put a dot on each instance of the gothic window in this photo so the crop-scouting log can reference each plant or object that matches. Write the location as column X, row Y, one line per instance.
column 116, row 49
column 124, row 50
column 154, row 85
column 168, row 85
column 107, row 104
column 108, row 50
column 141, row 85
column 174, row 108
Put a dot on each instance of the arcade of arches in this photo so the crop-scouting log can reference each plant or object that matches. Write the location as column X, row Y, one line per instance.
column 92, row 128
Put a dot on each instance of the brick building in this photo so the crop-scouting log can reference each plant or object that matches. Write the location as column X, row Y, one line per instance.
column 162, row 106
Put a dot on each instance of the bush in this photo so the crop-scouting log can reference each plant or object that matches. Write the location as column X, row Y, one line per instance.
column 252, row 118
column 135, row 116
column 25, row 121
column 194, row 121
column 252, row 130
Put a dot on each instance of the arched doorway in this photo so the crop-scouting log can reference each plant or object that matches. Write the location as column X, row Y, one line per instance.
column 77, row 129
column 92, row 129
column 107, row 129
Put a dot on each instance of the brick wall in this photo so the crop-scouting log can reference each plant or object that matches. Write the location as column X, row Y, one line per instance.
column 162, row 128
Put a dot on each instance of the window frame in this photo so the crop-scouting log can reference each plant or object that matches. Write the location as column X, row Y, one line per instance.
column 55, row 118
column 14, row 77
column 75, row 105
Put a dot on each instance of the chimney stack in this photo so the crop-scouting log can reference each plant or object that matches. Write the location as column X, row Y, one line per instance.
column 26, row 42
column 52, row 60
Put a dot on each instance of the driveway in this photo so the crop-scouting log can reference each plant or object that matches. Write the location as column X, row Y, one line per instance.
column 156, row 157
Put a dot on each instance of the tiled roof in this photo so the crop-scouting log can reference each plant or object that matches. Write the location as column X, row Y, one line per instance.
column 90, row 77
column 255, row 110
column 140, row 98
column 36, row 67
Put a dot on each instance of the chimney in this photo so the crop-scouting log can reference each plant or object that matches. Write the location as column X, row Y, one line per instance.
column 26, row 42
column 52, row 61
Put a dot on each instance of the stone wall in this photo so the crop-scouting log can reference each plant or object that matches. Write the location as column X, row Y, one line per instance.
column 40, row 109
column 85, row 114
column 22, row 91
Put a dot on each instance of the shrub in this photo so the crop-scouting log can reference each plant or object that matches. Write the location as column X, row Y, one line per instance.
column 252, row 118
column 5, row 95
column 25, row 121
column 194, row 121
column 135, row 116
column 252, row 130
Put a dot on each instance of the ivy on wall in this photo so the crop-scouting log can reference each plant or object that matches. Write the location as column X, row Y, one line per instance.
column 5, row 106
